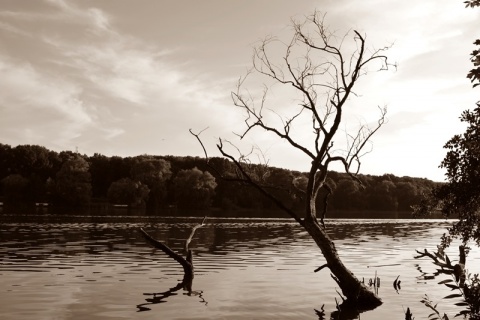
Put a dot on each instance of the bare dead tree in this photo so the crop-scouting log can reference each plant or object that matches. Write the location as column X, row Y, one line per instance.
column 322, row 69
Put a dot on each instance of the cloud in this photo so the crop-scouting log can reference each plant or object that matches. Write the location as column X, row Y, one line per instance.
column 34, row 99
column 12, row 29
column 95, row 18
column 121, row 65
column 128, row 79
column 102, row 88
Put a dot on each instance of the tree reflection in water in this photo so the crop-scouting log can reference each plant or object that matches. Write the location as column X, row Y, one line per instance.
column 160, row 297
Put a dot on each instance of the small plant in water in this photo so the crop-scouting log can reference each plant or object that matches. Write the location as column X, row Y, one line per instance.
column 409, row 315
column 436, row 314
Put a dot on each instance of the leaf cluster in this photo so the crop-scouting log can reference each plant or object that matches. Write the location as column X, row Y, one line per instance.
column 474, row 74
column 472, row 3
column 461, row 195
column 466, row 285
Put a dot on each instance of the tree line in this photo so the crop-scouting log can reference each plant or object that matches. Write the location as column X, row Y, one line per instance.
column 32, row 174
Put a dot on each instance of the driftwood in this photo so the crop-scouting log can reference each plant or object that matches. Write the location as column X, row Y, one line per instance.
column 186, row 263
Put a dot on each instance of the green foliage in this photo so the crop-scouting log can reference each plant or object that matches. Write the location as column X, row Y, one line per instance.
column 15, row 188
column 34, row 163
column 194, row 189
column 102, row 175
column 5, row 160
column 465, row 284
column 73, row 183
column 461, row 195
column 436, row 314
column 348, row 189
column 150, row 170
column 129, row 192
column 472, row 296
column 472, row 3
column 153, row 172
column 469, row 292
column 290, row 186
column 31, row 159
column 474, row 74
column 384, row 194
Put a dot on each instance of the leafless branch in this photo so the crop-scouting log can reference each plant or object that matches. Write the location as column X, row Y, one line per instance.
column 197, row 135
column 186, row 262
column 319, row 69
column 189, row 239
column 246, row 177
column 166, row 249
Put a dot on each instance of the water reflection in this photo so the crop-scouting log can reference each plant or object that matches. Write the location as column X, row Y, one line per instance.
column 248, row 269
column 160, row 297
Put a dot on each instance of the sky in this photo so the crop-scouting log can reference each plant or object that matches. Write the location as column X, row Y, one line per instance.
column 128, row 78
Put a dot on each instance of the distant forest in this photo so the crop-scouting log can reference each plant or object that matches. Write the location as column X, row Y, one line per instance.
column 31, row 174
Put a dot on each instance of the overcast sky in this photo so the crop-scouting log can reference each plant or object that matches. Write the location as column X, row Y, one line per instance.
column 131, row 77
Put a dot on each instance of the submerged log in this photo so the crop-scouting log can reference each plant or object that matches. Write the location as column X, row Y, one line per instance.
column 186, row 263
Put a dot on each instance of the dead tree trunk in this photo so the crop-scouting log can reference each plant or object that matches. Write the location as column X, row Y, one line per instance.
column 355, row 291
column 186, row 263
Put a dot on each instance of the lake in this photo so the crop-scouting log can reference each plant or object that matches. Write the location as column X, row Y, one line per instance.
column 86, row 268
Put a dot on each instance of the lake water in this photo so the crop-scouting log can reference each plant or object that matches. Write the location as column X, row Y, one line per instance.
column 244, row 269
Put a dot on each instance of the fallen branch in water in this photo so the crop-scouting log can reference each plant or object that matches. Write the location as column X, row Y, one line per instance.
column 187, row 262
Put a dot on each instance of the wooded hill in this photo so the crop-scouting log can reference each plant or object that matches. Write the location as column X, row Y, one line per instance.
column 32, row 174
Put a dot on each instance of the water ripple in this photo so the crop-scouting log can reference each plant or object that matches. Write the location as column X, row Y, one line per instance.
column 252, row 263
